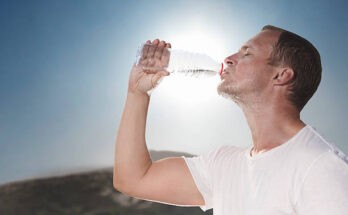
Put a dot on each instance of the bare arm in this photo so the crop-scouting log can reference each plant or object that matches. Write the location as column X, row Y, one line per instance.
column 167, row 180
column 132, row 158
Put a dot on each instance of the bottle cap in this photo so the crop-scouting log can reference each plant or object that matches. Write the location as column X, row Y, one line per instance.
column 222, row 68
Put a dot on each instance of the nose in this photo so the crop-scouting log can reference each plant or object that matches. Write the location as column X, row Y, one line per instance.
column 230, row 60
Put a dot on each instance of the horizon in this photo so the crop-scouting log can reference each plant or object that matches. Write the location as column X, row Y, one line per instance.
column 65, row 67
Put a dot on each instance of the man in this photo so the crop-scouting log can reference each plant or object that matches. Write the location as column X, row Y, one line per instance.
column 290, row 169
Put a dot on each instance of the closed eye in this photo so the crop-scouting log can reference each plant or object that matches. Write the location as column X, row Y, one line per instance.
column 246, row 52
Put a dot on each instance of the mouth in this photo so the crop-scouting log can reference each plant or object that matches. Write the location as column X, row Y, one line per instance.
column 224, row 73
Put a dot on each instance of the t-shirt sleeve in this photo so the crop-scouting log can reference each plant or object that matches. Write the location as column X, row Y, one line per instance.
column 201, row 171
column 325, row 187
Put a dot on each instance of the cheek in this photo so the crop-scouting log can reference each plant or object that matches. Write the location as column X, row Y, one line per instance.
column 244, row 70
column 251, row 74
column 250, row 68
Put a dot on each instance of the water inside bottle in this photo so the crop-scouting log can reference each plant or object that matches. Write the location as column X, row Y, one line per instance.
column 182, row 62
column 193, row 64
column 198, row 72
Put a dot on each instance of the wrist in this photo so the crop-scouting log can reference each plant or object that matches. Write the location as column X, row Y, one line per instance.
column 137, row 95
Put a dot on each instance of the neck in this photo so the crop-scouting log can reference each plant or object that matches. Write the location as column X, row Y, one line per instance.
column 272, row 125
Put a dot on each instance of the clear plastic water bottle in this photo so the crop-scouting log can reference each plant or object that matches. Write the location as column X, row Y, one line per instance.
column 179, row 61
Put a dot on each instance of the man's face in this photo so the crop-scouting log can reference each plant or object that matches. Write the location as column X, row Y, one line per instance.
column 247, row 74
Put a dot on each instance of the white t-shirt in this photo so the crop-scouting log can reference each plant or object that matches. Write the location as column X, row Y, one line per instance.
column 305, row 175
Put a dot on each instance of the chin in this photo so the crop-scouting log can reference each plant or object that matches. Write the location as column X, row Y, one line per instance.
column 224, row 88
column 227, row 91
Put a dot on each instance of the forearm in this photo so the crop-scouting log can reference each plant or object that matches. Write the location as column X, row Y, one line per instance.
column 132, row 158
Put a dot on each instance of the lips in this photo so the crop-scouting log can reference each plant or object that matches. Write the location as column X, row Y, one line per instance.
column 224, row 73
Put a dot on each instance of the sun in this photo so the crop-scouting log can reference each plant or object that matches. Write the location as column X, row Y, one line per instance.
column 199, row 39
column 187, row 91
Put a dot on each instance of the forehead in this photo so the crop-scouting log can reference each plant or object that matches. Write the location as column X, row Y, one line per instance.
column 263, row 41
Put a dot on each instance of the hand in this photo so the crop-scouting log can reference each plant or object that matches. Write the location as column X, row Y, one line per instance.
column 154, row 55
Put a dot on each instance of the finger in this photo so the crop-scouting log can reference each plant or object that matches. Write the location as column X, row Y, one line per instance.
column 165, row 56
column 145, row 50
column 159, row 50
column 152, row 49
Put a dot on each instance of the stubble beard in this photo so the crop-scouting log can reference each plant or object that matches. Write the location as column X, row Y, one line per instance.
column 249, row 96
column 230, row 91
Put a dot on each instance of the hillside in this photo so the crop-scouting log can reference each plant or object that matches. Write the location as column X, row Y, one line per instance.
column 87, row 193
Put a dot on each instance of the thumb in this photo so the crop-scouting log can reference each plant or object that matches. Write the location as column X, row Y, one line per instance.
column 158, row 77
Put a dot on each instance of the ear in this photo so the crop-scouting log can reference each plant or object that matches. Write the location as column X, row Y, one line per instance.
column 283, row 76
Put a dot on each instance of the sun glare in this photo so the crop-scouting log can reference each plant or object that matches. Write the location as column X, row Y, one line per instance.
column 199, row 40
column 193, row 91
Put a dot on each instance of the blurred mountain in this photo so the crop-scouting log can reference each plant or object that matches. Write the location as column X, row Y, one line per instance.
column 85, row 192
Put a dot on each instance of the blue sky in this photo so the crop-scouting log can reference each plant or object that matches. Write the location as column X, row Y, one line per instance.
column 64, row 68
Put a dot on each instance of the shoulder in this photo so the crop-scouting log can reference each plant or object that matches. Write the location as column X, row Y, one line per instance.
column 311, row 149
column 217, row 154
column 315, row 158
column 226, row 155
column 312, row 145
column 327, row 156
column 324, row 187
column 225, row 150
column 228, row 150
